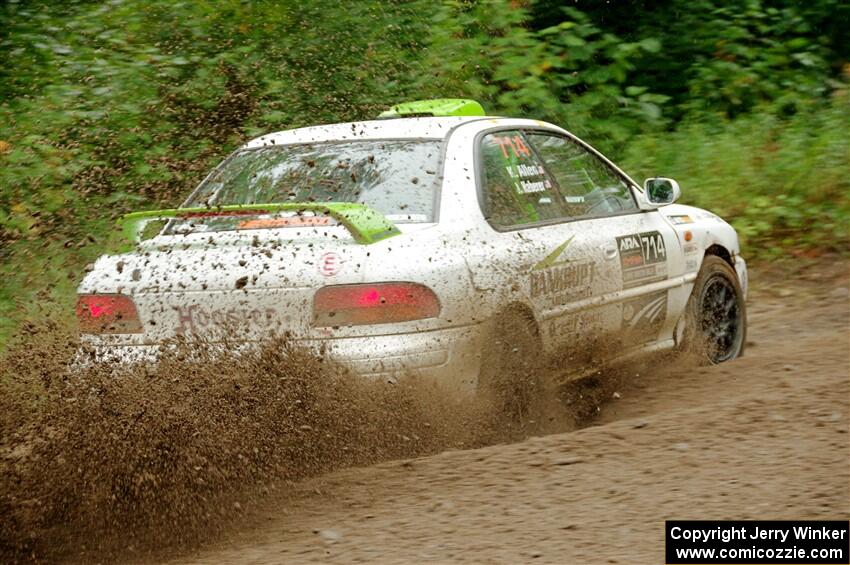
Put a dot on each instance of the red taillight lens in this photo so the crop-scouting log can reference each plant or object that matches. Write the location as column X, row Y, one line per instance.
column 359, row 304
column 107, row 314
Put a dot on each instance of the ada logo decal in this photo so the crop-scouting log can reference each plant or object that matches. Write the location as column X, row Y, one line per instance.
column 643, row 258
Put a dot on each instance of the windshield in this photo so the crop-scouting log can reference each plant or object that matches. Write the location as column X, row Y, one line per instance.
column 398, row 178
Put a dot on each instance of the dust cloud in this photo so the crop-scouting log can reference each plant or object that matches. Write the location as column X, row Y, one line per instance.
column 101, row 458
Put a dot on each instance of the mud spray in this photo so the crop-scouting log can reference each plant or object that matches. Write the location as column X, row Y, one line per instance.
column 101, row 458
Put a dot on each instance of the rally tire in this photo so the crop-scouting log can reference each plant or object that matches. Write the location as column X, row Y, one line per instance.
column 716, row 317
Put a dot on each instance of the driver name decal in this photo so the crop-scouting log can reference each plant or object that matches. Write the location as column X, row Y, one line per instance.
column 643, row 258
column 526, row 174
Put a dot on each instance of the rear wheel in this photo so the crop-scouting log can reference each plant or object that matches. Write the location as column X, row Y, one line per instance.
column 510, row 365
column 716, row 316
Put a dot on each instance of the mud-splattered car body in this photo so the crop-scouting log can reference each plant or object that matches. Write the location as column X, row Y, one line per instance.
column 511, row 214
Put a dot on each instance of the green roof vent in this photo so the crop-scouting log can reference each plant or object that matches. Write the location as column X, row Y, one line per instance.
column 437, row 107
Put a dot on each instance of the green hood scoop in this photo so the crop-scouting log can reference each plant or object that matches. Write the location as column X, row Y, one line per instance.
column 365, row 225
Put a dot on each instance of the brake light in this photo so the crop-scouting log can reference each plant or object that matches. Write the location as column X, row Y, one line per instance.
column 107, row 314
column 359, row 304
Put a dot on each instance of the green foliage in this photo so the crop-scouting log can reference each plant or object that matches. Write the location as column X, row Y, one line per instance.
column 571, row 73
column 131, row 98
column 759, row 54
column 727, row 57
column 783, row 183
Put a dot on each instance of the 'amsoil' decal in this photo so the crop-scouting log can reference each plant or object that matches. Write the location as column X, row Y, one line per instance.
column 643, row 258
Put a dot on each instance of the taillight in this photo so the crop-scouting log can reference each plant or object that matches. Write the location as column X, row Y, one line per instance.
column 107, row 314
column 384, row 303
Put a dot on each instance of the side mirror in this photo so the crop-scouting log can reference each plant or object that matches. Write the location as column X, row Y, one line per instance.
column 661, row 191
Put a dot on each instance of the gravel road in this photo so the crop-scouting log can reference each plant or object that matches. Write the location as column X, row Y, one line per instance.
column 763, row 437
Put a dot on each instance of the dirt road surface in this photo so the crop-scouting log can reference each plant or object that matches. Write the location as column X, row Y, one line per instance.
column 763, row 437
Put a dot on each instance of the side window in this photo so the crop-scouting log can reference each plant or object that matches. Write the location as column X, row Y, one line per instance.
column 517, row 189
column 588, row 186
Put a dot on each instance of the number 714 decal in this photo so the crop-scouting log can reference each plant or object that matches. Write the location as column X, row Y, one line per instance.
column 643, row 258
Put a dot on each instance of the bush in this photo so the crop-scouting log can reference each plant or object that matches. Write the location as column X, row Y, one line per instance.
column 783, row 183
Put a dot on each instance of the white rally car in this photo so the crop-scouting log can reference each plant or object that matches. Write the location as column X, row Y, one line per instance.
column 416, row 242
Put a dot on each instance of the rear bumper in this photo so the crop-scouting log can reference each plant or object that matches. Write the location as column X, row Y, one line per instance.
column 450, row 356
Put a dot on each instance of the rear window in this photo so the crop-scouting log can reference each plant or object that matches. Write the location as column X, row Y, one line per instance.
column 398, row 178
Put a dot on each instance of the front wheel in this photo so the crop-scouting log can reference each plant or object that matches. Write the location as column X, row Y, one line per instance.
column 716, row 315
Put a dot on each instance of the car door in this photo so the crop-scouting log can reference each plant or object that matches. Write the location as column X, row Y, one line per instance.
column 638, row 251
column 541, row 256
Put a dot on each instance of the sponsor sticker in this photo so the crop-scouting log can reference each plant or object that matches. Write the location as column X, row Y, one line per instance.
column 552, row 259
column 193, row 318
column 679, row 220
column 285, row 222
column 330, row 264
column 553, row 275
column 710, row 216
column 577, row 328
column 571, row 276
column 643, row 258
column 643, row 317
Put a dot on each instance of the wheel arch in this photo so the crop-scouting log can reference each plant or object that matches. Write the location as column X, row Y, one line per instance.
column 520, row 311
column 718, row 250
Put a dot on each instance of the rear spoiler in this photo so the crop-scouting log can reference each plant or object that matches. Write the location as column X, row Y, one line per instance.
column 365, row 224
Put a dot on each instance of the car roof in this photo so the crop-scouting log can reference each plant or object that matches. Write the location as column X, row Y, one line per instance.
column 394, row 128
